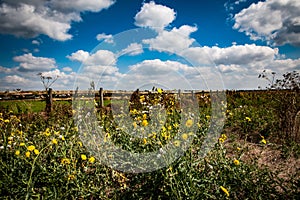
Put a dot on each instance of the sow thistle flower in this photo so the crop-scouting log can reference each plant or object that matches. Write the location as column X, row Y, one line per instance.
column 177, row 143
column 47, row 132
column 27, row 154
column 92, row 159
column 159, row 90
column 31, row 148
column 224, row 190
column 145, row 141
column 236, row 162
column 134, row 124
column 36, row 152
column 144, row 116
column 222, row 138
column 54, row 141
column 145, row 122
column 83, row 157
column 17, row 153
column 185, row 136
column 65, row 161
column 189, row 123
column 142, row 98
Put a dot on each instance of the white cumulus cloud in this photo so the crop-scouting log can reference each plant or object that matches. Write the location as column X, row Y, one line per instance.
column 276, row 21
column 79, row 55
column 28, row 62
column 106, row 38
column 82, row 5
column 236, row 54
column 174, row 40
column 154, row 16
column 157, row 67
column 100, row 57
column 133, row 49
column 30, row 18
column 15, row 80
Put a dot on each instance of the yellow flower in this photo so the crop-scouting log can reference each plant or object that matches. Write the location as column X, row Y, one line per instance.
column 134, row 111
column 47, row 132
column 159, row 90
column 236, row 162
column 6, row 121
column 54, row 141
column 30, row 148
column 37, row 152
column 145, row 141
column 22, row 144
column 92, row 159
column 65, row 161
column 222, row 138
column 248, row 119
column 145, row 116
column 71, row 177
column 142, row 98
column 145, row 122
column 134, row 124
column 225, row 191
column 167, row 136
column 238, row 148
column 80, row 144
column 17, row 152
column 185, row 136
column 189, row 123
column 177, row 143
column 176, row 125
column 263, row 141
column 83, row 157
column 27, row 154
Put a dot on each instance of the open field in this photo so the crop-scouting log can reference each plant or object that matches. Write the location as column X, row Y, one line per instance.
column 256, row 156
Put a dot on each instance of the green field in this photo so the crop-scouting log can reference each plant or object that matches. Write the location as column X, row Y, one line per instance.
column 256, row 154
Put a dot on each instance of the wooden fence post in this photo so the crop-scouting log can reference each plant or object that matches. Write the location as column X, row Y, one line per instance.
column 49, row 101
column 101, row 101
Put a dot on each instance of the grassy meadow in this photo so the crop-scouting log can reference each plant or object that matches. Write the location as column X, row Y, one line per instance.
column 257, row 155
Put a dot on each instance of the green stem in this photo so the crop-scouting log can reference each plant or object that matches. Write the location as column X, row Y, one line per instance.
column 32, row 170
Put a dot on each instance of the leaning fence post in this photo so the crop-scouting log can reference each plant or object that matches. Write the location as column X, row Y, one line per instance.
column 101, row 101
column 49, row 101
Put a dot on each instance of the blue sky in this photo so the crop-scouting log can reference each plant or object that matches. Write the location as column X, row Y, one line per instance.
column 187, row 44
